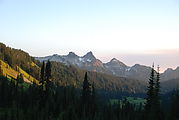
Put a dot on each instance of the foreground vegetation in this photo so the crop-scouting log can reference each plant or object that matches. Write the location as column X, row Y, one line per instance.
column 57, row 102
column 49, row 101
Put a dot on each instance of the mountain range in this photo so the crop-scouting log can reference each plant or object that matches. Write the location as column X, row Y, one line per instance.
column 70, row 70
column 113, row 67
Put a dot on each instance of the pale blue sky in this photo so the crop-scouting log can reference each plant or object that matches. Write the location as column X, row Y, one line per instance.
column 125, row 29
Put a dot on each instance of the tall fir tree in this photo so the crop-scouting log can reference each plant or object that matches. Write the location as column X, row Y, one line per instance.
column 86, row 93
column 42, row 73
column 157, row 96
column 150, row 95
column 18, row 81
column 86, row 97
column 48, row 71
column 49, row 86
column 20, row 78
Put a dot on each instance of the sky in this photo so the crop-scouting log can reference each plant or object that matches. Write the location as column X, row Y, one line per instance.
column 140, row 31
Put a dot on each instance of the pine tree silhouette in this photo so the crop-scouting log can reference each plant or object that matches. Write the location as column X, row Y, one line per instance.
column 86, row 93
column 48, row 72
column 157, row 96
column 150, row 95
column 86, row 97
column 42, row 73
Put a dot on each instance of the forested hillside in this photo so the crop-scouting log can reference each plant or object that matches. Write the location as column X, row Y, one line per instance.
column 15, row 57
column 71, row 75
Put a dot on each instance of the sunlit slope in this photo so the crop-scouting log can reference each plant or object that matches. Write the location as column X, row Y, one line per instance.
column 26, row 76
column 9, row 72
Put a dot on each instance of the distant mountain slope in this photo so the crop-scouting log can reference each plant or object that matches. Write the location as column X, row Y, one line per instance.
column 113, row 67
column 170, row 85
column 89, row 62
column 71, row 75
column 170, row 74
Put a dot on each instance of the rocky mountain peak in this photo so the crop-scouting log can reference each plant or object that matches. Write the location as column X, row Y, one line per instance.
column 89, row 56
column 55, row 55
column 72, row 54
column 116, row 62
column 169, row 70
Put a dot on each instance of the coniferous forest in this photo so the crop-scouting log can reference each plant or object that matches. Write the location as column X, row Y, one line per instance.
column 50, row 101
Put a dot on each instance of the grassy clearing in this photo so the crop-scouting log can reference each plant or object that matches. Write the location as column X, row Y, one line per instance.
column 132, row 100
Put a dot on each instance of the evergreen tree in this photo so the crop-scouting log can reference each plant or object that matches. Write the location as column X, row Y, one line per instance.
column 42, row 73
column 8, row 59
column 86, row 93
column 157, row 96
column 48, row 84
column 20, row 78
column 48, row 72
column 150, row 95
column 86, row 97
